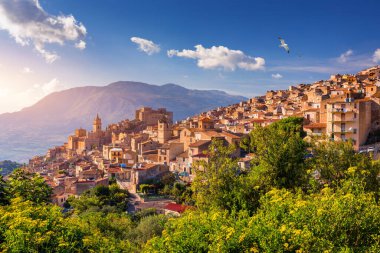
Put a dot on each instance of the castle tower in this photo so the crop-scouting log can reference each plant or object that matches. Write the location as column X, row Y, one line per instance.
column 164, row 131
column 97, row 124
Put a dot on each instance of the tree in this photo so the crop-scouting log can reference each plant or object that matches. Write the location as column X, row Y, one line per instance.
column 218, row 180
column 29, row 227
column 335, row 161
column 168, row 179
column 29, row 186
column 4, row 195
column 149, row 227
column 280, row 152
column 105, row 232
column 287, row 221
column 101, row 198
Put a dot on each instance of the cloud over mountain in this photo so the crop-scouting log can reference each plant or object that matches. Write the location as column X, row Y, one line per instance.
column 28, row 23
column 220, row 57
column 147, row 46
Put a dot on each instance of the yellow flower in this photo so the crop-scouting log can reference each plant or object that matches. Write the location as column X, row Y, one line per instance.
column 297, row 231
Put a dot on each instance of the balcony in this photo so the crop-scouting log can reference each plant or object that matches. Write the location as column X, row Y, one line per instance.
column 344, row 131
column 341, row 110
column 342, row 120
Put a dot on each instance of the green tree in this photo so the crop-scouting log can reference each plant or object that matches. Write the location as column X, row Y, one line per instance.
column 29, row 186
column 105, row 232
column 327, row 221
column 217, row 180
column 280, row 153
column 333, row 162
column 29, row 227
column 4, row 194
column 168, row 179
column 101, row 198
column 149, row 227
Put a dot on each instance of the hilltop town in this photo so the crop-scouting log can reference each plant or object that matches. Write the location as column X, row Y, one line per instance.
column 133, row 151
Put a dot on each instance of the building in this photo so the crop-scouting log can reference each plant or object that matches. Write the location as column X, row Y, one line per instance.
column 164, row 132
column 349, row 119
column 151, row 117
column 84, row 141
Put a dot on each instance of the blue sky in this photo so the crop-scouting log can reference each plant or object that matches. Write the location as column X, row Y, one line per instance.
column 317, row 32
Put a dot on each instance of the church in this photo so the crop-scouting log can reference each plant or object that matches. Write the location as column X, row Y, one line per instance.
column 83, row 140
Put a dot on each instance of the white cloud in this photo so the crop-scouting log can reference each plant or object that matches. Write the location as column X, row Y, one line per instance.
column 220, row 57
column 47, row 88
column 27, row 70
column 146, row 46
column 28, row 23
column 277, row 76
column 80, row 45
column 376, row 55
column 343, row 58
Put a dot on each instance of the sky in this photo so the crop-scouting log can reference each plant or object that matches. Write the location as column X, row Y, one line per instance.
column 47, row 46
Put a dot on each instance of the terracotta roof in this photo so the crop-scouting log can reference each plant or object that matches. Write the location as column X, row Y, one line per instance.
column 201, row 155
column 148, row 166
column 176, row 207
column 315, row 125
column 199, row 143
column 114, row 170
column 312, row 110
column 183, row 155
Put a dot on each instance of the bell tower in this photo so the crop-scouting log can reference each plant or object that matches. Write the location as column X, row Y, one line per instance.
column 164, row 131
column 97, row 124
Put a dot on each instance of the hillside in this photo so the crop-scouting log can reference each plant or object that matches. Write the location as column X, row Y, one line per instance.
column 7, row 167
column 47, row 123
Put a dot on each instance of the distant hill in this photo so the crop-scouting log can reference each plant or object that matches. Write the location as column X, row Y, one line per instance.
column 6, row 167
column 48, row 122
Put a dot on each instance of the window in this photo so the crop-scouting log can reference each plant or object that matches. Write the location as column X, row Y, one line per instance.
column 355, row 115
column 354, row 130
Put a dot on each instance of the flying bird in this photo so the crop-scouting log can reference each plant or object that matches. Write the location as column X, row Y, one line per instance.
column 284, row 45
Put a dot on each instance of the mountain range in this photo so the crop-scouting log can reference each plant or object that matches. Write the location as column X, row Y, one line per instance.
column 47, row 123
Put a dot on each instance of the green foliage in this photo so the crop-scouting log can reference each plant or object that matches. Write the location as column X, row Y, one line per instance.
column 168, row 179
column 105, row 232
column 101, row 198
column 280, row 152
column 217, row 183
column 149, row 227
column 4, row 195
column 285, row 222
column 144, row 213
column 144, row 188
column 29, row 186
column 336, row 161
column 27, row 227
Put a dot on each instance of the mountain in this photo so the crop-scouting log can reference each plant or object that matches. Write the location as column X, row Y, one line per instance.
column 6, row 167
column 47, row 123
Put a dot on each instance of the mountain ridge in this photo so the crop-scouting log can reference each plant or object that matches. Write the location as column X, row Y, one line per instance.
column 34, row 129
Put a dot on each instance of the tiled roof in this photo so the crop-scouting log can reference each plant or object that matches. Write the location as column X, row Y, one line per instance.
column 315, row 125
column 176, row 207
column 199, row 143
